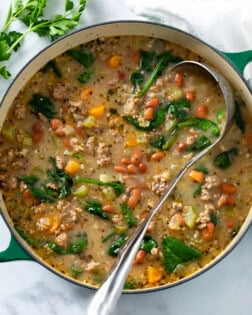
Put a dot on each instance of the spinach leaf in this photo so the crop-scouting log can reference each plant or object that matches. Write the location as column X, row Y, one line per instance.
column 240, row 122
column 202, row 124
column 159, row 118
column 127, row 213
column 118, row 187
column 146, row 59
column 85, row 76
column 30, row 241
column 202, row 168
column 76, row 271
column 158, row 142
column 117, row 245
column 148, row 243
column 63, row 181
column 95, row 207
column 42, row 104
column 179, row 109
column 200, row 143
column 176, row 253
column 52, row 65
column 40, row 190
column 136, row 78
column 224, row 159
column 197, row 191
column 73, row 248
column 162, row 62
column 84, row 57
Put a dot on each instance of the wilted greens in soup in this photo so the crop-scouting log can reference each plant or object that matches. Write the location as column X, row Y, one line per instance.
column 93, row 140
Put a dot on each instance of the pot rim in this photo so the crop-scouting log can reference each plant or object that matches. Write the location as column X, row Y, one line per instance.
column 4, row 211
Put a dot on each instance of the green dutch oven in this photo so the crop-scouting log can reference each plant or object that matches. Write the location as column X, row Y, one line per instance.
column 231, row 65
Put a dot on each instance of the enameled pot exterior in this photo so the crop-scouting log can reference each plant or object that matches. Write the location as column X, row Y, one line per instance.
column 214, row 57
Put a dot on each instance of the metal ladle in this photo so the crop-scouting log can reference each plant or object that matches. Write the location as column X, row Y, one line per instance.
column 105, row 299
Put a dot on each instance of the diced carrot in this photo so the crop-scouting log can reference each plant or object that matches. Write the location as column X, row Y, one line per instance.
column 152, row 102
column 226, row 200
column 181, row 147
column 131, row 140
column 228, row 188
column 37, row 133
column 114, row 61
column 190, row 96
column 196, row 176
column 56, row 123
column 208, row 232
column 201, row 111
column 72, row 167
column 66, row 142
column 97, row 111
column 85, row 94
column 149, row 113
column 141, row 254
column 154, row 274
column 134, row 197
column 179, row 79
column 157, row 156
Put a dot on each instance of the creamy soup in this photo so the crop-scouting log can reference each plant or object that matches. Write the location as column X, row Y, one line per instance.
column 92, row 142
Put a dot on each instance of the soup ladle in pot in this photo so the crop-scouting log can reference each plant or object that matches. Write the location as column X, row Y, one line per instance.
column 105, row 299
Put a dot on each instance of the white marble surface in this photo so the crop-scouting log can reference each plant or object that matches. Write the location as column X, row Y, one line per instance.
column 26, row 288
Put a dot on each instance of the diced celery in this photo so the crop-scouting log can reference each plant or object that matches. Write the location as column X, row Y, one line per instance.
column 174, row 93
column 190, row 216
column 109, row 193
column 27, row 140
column 81, row 191
column 107, row 178
column 141, row 138
column 9, row 131
column 89, row 122
column 120, row 229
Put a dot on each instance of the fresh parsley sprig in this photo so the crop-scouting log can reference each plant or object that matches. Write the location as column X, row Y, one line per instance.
column 31, row 13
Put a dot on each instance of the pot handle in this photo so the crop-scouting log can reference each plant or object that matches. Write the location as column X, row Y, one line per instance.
column 14, row 251
column 239, row 59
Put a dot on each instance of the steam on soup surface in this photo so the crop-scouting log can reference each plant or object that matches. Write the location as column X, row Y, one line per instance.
column 93, row 140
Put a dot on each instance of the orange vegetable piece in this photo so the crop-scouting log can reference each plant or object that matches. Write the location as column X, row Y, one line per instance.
column 114, row 61
column 154, row 274
column 72, row 167
column 97, row 111
column 131, row 140
column 85, row 94
column 208, row 232
column 228, row 188
column 196, row 176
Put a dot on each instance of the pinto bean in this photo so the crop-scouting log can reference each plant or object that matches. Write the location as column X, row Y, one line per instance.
column 134, row 197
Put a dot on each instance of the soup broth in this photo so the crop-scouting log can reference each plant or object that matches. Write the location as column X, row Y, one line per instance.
column 92, row 142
